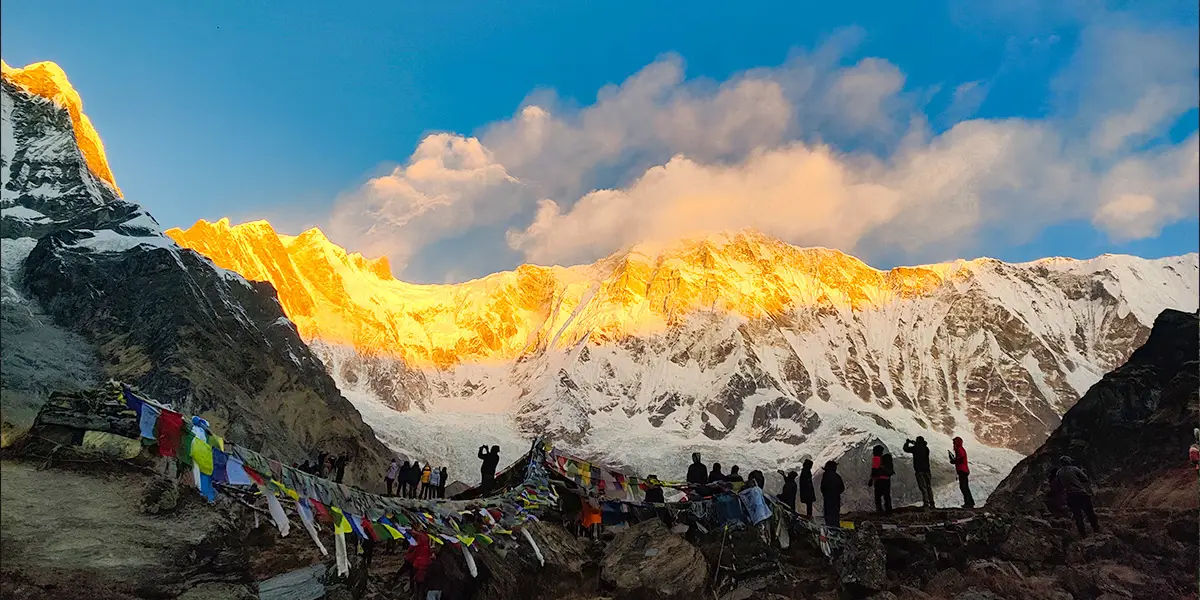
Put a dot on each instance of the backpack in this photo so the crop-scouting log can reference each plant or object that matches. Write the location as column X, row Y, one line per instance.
column 886, row 465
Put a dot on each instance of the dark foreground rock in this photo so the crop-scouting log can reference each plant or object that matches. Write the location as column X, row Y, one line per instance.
column 1130, row 432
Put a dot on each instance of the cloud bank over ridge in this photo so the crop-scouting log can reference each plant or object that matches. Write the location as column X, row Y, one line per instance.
column 813, row 151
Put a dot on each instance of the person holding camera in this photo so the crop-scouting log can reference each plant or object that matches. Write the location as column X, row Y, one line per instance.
column 920, row 457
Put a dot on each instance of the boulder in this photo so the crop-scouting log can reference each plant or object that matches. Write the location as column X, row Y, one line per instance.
column 861, row 563
column 649, row 559
column 160, row 496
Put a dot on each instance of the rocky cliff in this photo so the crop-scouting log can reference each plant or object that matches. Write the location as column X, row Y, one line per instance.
column 1131, row 431
column 95, row 270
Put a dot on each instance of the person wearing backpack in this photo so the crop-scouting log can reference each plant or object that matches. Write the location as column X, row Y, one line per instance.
column 881, row 477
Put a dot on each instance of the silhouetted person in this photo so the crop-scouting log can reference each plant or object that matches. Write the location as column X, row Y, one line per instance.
column 654, row 493
column 920, row 457
column 831, row 491
column 958, row 458
column 322, row 459
column 414, row 476
column 1078, row 488
column 442, row 481
column 715, row 475
column 339, row 467
column 788, row 494
column 697, row 473
column 1056, row 498
column 487, row 469
column 733, row 476
column 881, row 477
column 392, row 473
column 402, row 479
column 757, row 479
column 807, row 494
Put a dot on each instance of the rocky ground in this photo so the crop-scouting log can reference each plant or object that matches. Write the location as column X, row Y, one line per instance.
column 82, row 526
column 105, row 529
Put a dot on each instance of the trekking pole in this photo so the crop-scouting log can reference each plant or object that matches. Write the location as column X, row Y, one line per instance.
column 720, row 553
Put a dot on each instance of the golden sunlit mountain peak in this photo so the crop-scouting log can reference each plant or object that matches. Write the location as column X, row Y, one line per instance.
column 48, row 80
column 344, row 298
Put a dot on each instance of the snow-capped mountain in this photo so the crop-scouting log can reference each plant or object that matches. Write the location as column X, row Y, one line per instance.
column 748, row 349
column 92, row 289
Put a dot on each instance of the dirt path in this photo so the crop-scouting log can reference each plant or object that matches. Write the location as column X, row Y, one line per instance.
column 75, row 523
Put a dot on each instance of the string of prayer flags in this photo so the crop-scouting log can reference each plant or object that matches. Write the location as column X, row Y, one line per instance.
column 350, row 510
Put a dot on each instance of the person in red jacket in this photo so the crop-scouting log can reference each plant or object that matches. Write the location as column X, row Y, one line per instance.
column 882, row 470
column 958, row 458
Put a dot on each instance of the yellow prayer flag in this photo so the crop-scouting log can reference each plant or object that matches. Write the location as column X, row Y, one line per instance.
column 202, row 456
column 392, row 531
column 340, row 522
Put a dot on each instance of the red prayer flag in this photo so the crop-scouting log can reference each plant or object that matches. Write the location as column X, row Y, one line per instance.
column 170, row 432
column 258, row 479
column 322, row 512
column 369, row 530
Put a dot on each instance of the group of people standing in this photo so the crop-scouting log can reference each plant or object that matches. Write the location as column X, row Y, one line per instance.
column 799, row 486
column 883, row 469
column 411, row 480
column 698, row 474
column 326, row 465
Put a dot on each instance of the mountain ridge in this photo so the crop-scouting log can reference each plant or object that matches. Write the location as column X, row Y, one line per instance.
column 745, row 273
column 47, row 80
column 744, row 348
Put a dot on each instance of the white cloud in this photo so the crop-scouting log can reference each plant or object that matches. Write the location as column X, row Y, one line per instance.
column 450, row 184
column 809, row 151
column 1142, row 194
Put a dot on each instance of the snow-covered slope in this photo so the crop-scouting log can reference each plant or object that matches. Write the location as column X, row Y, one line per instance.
column 741, row 346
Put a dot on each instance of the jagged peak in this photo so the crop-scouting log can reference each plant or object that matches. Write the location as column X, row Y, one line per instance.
column 47, row 80
column 743, row 245
column 314, row 235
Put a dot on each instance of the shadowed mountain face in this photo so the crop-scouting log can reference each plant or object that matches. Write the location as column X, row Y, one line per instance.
column 95, row 271
column 1131, row 431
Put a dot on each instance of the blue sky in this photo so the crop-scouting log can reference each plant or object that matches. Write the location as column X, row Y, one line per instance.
column 900, row 132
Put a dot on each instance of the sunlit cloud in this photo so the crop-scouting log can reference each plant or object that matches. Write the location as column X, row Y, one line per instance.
column 814, row 151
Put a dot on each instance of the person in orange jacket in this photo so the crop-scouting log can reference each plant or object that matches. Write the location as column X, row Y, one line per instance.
column 958, row 458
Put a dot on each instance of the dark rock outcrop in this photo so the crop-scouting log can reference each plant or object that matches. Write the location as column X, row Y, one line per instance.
column 1130, row 432
column 160, row 317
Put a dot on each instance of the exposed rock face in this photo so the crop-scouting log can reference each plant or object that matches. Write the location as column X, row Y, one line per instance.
column 741, row 346
column 649, row 559
column 47, row 80
column 160, row 317
column 1131, row 431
